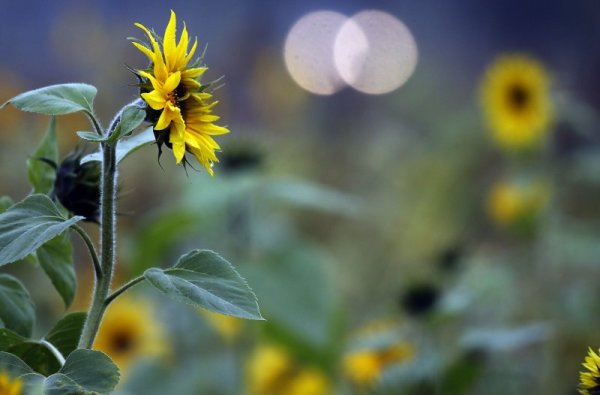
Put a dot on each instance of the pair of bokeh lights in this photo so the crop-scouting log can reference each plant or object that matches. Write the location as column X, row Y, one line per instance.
column 372, row 51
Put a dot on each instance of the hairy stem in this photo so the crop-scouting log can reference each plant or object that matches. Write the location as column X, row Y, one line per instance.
column 90, row 246
column 123, row 288
column 107, row 246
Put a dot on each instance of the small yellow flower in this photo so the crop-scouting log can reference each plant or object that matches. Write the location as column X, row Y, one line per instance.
column 180, row 106
column 226, row 326
column 365, row 367
column 516, row 101
column 517, row 202
column 309, row 382
column 272, row 370
column 130, row 332
column 590, row 380
column 10, row 386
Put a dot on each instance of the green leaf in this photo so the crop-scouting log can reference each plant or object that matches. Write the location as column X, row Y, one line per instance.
column 29, row 224
column 16, row 368
column 125, row 147
column 203, row 278
column 41, row 174
column 56, row 99
column 92, row 136
column 37, row 355
column 9, row 338
column 66, row 333
column 131, row 118
column 16, row 309
column 5, row 203
column 84, row 371
column 56, row 258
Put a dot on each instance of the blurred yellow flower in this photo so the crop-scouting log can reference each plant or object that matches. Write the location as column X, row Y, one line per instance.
column 364, row 367
column 226, row 326
column 517, row 202
column 590, row 380
column 10, row 386
column 271, row 370
column 129, row 332
column 180, row 107
column 516, row 101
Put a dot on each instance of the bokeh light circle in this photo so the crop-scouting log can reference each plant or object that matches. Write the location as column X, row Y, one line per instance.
column 375, row 52
column 308, row 52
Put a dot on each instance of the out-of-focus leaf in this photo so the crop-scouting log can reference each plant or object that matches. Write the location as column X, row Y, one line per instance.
column 125, row 147
column 295, row 292
column 204, row 279
column 65, row 334
column 57, row 99
column 506, row 339
column 16, row 309
column 41, row 174
column 5, row 203
column 84, row 371
column 56, row 258
column 29, row 224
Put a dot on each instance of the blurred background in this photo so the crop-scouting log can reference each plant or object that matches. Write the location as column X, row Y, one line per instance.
column 396, row 243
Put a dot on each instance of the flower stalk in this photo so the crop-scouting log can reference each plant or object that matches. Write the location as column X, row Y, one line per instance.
column 107, row 241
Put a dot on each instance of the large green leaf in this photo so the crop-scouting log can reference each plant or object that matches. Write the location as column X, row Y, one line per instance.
column 84, row 371
column 203, row 278
column 56, row 99
column 9, row 338
column 16, row 307
column 41, row 174
column 125, row 147
column 56, row 258
column 66, row 333
column 16, row 368
column 37, row 355
column 28, row 225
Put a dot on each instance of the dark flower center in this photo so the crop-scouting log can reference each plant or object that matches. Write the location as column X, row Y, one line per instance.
column 518, row 97
column 122, row 342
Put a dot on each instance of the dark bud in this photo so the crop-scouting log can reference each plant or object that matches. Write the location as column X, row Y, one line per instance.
column 449, row 260
column 77, row 187
column 419, row 299
column 240, row 158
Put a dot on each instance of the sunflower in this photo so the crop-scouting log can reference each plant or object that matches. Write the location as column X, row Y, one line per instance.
column 10, row 386
column 517, row 202
column 130, row 332
column 590, row 380
column 179, row 105
column 376, row 348
column 271, row 370
column 516, row 101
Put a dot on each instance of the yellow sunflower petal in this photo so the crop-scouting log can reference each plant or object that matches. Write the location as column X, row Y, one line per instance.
column 145, row 50
column 169, row 44
column 155, row 99
column 172, row 82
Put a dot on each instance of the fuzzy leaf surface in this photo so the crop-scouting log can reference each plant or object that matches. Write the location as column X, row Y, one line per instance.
column 57, row 99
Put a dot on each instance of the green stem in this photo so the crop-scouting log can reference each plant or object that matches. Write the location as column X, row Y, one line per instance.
column 90, row 246
column 123, row 288
column 107, row 246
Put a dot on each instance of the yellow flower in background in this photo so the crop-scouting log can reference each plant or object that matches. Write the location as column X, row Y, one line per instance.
column 517, row 202
column 130, row 332
column 10, row 386
column 590, row 380
column 365, row 367
column 272, row 370
column 309, row 382
column 515, row 94
column 180, row 106
column 226, row 326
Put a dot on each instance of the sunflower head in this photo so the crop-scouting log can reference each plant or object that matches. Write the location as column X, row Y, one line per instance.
column 130, row 332
column 9, row 386
column 590, row 379
column 517, row 203
column 179, row 105
column 516, row 101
